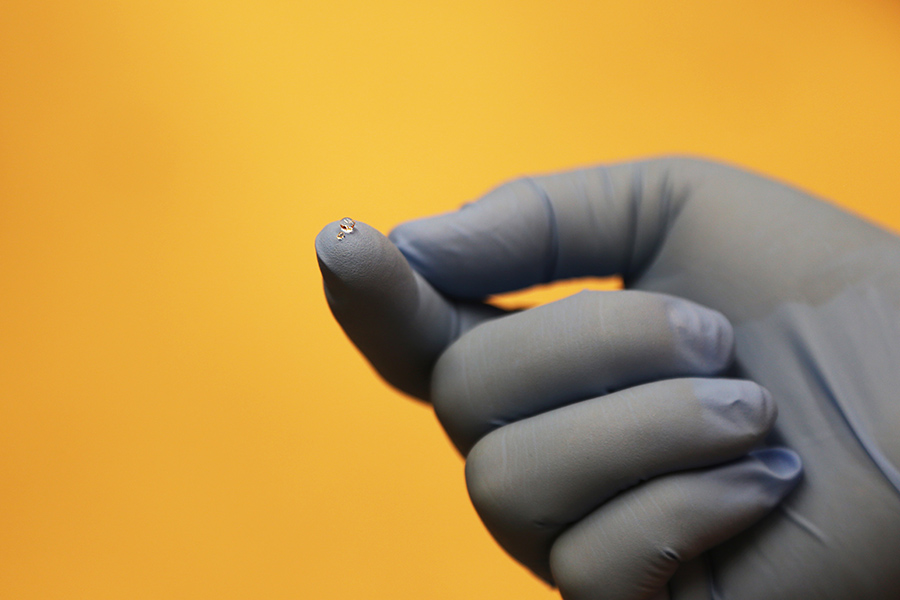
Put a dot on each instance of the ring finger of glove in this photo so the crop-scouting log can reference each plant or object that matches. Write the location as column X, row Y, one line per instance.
column 531, row 479
column 630, row 547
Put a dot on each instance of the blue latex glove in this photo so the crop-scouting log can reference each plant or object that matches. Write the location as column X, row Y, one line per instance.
column 608, row 459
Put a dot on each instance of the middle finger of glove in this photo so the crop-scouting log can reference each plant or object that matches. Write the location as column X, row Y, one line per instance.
column 580, row 347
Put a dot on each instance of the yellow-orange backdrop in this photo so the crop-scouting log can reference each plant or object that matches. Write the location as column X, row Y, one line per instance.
column 179, row 415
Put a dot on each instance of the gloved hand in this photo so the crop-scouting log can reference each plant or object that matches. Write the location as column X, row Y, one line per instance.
column 592, row 418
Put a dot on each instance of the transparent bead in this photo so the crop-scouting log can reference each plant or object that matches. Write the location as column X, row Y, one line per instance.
column 347, row 224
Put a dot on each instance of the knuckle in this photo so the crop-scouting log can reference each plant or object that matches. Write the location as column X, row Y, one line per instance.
column 681, row 161
column 451, row 394
column 668, row 555
column 753, row 404
column 464, row 390
column 511, row 192
column 572, row 573
column 703, row 338
column 756, row 402
column 486, row 477
column 444, row 386
column 745, row 406
column 499, row 488
column 687, row 164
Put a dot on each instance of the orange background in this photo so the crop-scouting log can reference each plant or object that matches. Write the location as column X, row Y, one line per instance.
column 179, row 415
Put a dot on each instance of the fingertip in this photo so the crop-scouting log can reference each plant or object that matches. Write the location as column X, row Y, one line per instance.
column 341, row 256
column 445, row 251
column 362, row 264
column 704, row 336
column 772, row 472
column 392, row 315
column 783, row 464
column 740, row 407
column 499, row 243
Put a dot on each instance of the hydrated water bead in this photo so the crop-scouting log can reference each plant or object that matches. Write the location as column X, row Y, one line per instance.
column 347, row 224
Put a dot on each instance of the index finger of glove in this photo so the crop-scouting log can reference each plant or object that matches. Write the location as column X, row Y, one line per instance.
column 598, row 221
